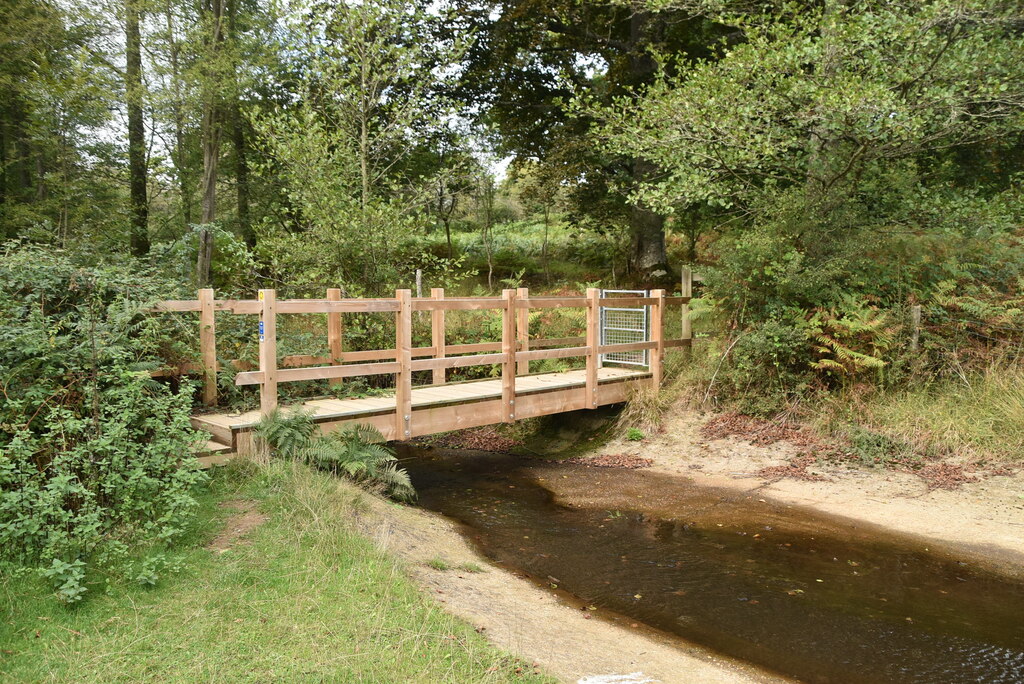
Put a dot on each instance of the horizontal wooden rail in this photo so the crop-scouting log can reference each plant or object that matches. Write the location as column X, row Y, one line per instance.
column 458, row 361
column 627, row 301
column 626, row 347
column 682, row 342
column 319, row 373
column 295, row 306
column 458, row 303
column 560, row 353
column 551, row 302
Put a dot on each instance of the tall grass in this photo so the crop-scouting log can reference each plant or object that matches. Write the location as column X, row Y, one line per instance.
column 979, row 416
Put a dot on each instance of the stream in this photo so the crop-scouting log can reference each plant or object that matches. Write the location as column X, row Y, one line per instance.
column 808, row 596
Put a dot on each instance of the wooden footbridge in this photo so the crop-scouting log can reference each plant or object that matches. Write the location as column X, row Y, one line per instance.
column 440, row 406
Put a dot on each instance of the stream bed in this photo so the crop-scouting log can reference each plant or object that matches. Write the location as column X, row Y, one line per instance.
column 807, row 596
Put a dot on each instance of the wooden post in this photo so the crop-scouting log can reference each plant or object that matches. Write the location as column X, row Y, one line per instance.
column 593, row 339
column 419, row 282
column 508, row 348
column 686, row 290
column 403, row 354
column 915, row 327
column 657, row 336
column 437, row 334
column 523, row 330
column 268, row 351
column 335, row 333
column 208, row 346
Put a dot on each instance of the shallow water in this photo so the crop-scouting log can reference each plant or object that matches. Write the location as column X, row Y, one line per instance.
column 807, row 596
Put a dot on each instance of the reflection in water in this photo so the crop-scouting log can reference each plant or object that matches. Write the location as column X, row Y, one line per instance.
column 811, row 598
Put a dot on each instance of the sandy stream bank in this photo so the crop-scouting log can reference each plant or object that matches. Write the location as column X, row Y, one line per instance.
column 982, row 521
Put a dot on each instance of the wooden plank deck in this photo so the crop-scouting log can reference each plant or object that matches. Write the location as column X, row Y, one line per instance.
column 440, row 408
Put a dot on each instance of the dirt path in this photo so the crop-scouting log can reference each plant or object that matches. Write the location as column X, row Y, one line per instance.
column 983, row 521
column 535, row 624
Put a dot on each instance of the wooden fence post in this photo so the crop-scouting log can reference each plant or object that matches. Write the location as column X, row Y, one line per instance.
column 657, row 336
column 335, row 333
column 523, row 330
column 268, row 351
column 593, row 340
column 437, row 334
column 403, row 354
column 508, row 348
column 208, row 346
column 686, row 290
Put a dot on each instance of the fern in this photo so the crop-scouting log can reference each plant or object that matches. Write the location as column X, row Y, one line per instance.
column 287, row 435
column 358, row 453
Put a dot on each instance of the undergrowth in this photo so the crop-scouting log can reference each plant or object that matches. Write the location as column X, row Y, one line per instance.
column 357, row 452
column 303, row 597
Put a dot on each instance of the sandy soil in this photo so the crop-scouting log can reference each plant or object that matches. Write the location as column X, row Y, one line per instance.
column 540, row 626
column 243, row 520
column 982, row 521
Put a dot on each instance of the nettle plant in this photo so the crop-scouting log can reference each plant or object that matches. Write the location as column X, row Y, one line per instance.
column 95, row 465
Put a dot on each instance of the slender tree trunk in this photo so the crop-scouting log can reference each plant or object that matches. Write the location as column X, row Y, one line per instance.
column 180, row 155
column 22, row 153
column 238, row 138
column 214, row 10
column 544, row 247
column 3, row 163
column 136, row 131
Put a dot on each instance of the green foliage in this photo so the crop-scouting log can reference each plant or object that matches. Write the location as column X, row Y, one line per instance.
column 635, row 434
column 258, row 611
column 358, row 453
column 370, row 92
column 95, row 457
column 287, row 433
column 439, row 563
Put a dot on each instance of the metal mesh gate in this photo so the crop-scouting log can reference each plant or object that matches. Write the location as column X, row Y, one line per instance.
column 624, row 325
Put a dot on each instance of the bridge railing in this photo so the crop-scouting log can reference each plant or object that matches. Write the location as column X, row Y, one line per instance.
column 513, row 352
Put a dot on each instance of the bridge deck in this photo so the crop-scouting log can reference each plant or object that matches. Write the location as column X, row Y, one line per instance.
column 440, row 408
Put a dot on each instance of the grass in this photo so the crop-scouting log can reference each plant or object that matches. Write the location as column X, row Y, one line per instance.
column 304, row 598
column 439, row 564
column 979, row 416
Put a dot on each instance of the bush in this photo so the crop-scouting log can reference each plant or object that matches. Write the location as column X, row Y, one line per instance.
column 94, row 455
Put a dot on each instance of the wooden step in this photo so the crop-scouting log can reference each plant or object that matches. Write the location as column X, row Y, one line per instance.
column 215, row 425
column 213, row 453
column 215, row 459
column 213, row 447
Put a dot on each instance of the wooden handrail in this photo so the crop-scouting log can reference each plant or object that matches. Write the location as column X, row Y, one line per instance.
column 319, row 373
column 514, row 352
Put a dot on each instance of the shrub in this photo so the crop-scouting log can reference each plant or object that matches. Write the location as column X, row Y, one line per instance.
column 94, row 455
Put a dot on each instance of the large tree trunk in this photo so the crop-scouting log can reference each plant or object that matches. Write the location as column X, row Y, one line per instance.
column 136, row 131
column 648, row 227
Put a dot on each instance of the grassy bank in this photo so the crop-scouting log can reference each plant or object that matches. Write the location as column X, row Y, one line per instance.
column 974, row 417
column 299, row 598
column 977, row 417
